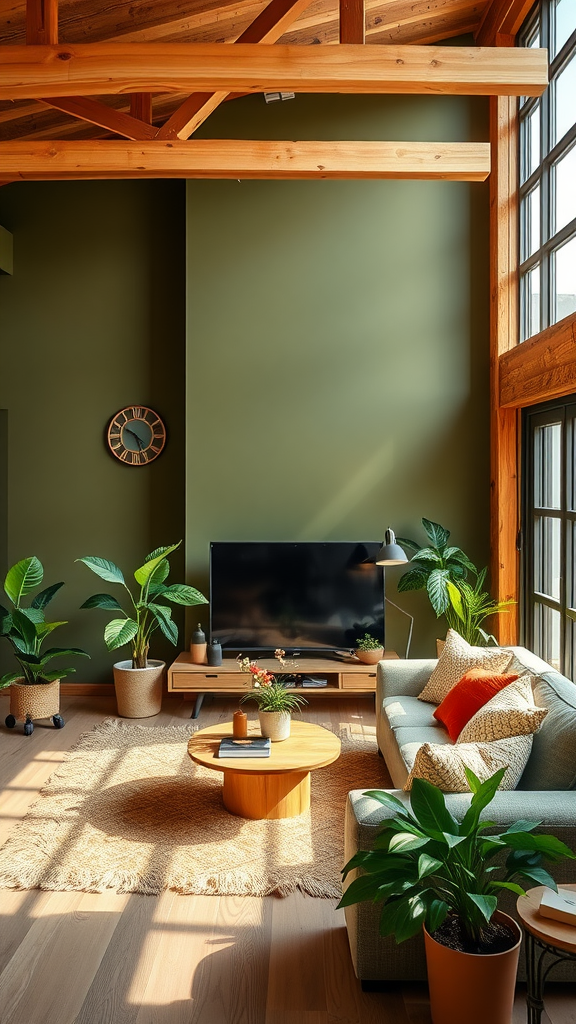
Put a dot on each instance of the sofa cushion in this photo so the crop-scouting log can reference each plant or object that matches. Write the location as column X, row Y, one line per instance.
column 471, row 693
column 511, row 712
column 552, row 763
column 445, row 765
column 409, row 712
column 457, row 658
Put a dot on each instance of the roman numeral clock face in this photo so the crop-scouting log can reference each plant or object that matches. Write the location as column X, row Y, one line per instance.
column 136, row 435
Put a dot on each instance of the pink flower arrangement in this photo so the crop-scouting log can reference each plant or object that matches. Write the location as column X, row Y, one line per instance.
column 260, row 677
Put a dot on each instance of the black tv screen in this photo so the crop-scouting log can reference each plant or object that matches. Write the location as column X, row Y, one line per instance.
column 299, row 596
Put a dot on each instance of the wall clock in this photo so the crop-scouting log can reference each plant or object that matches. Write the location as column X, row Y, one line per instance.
column 136, row 435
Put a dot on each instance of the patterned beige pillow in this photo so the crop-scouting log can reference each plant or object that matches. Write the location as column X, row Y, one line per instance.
column 510, row 712
column 443, row 764
column 456, row 659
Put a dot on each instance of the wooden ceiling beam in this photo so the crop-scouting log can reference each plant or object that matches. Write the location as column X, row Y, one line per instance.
column 233, row 158
column 270, row 24
column 352, row 23
column 33, row 72
column 141, row 107
column 100, row 114
column 502, row 20
column 42, row 22
column 540, row 369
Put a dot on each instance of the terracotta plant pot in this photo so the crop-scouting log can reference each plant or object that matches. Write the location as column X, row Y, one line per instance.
column 139, row 690
column 471, row 987
column 370, row 657
column 41, row 700
column 275, row 724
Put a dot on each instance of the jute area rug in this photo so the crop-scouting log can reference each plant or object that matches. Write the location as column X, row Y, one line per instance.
column 128, row 810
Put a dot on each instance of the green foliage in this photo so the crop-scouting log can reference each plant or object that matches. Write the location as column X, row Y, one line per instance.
column 275, row 697
column 25, row 628
column 426, row 865
column 148, row 610
column 368, row 643
column 443, row 571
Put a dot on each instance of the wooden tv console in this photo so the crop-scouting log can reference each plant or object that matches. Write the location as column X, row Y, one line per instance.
column 345, row 676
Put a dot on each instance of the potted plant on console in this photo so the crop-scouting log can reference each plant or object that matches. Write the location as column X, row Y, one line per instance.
column 34, row 689
column 275, row 702
column 369, row 650
column 138, row 682
column 433, row 872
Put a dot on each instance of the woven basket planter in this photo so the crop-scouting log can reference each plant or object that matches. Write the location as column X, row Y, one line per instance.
column 139, row 690
column 41, row 700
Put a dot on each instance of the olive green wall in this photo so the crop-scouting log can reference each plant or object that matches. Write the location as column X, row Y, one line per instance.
column 92, row 320
column 337, row 339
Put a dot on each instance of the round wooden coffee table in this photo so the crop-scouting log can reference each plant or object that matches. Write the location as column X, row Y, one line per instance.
column 548, row 942
column 267, row 787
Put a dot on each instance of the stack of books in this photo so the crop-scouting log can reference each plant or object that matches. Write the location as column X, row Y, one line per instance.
column 254, row 746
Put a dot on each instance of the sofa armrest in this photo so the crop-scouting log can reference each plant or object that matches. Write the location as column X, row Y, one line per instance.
column 402, row 678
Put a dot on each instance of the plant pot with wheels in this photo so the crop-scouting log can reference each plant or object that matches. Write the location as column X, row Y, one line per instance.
column 34, row 689
column 138, row 682
column 430, row 871
column 275, row 701
column 369, row 650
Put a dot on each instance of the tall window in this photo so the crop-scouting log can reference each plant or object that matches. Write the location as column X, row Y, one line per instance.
column 550, row 533
column 548, row 175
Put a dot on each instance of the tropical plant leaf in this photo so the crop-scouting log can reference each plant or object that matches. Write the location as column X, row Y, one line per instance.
column 360, row 889
column 146, row 571
column 522, row 826
column 62, row 652
column 10, row 677
column 404, row 841
column 22, row 578
column 437, row 534
column 486, row 904
column 540, row 876
column 104, row 568
column 429, row 808
column 26, row 630
column 57, row 674
column 160, row 574
column 483, row 792
column 436, row 914
column 436, row 586
column 387, row 800
column 119, row 632
column 44, row 628
column 403, row 918
column 5, row 621
column 455, row 598
column 414, row 579
column 178, row 593
column 427, row 865
column 45, row 596
column 103, row 601
column 511, row 886
column 429, row 556
column 35, row 615
column 164, row 620
column 159, row 551
column 457, row 555
column 405, row 542
column 451, row 840
column 549, row 846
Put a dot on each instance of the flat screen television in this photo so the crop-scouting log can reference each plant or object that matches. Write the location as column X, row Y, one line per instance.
column 301, row 596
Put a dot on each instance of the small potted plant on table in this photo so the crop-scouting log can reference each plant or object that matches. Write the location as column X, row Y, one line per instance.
column 430, row 871
column 138, row 682
column 35, row 689
column 369, row 650
column 275, row 702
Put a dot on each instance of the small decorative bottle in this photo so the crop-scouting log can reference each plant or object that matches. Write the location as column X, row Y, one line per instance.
column 240, row 725
column 198, row 646
column 214, row 653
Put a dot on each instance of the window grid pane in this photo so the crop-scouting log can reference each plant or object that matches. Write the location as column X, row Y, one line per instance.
column 564, row 190
column 564, row 260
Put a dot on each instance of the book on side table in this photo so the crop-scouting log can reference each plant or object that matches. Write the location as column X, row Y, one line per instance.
column 560, row 906
column 254, row 746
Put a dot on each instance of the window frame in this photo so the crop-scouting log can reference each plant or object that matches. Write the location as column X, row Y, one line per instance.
column 541, row 24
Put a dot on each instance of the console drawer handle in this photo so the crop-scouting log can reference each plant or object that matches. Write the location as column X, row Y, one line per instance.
column 211, row 675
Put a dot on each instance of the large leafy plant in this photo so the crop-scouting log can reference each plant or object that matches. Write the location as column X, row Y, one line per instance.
column 25, row 627
column 150, row 606
column 443, row 570
column 426, row 865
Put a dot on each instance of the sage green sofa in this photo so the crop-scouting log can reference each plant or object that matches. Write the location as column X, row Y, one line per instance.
column 546, row 793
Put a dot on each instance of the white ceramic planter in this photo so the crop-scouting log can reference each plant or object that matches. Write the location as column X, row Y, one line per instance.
column 275, row 724
column 138, row 690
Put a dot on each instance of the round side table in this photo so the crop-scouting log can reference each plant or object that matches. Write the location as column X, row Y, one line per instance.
column 548, row 942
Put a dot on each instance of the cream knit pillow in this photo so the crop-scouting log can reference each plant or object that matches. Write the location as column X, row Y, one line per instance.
column 443, row 764
column 510, row 712
column 457, row 658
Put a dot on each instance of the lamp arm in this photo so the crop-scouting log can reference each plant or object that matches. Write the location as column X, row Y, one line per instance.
column 408, row 616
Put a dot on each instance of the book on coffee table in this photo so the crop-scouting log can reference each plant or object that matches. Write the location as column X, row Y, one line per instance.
column 254, row 746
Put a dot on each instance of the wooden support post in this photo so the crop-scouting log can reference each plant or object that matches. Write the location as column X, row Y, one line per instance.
column 352, row 21
column 42, row 22
column 141, row 106
column 504, row 483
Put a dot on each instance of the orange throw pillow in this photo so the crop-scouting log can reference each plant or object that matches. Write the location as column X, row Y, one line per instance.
column 468, row 695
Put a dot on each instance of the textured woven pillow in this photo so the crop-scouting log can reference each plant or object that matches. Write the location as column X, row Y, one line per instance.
column 469, row 694
column 444, row 764
column 457, row 658
column 511, row 712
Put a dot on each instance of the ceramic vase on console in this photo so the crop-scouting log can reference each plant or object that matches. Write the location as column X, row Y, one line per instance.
column 275, row 724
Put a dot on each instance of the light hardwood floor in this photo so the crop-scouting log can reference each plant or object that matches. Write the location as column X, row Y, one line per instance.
column 87, row 958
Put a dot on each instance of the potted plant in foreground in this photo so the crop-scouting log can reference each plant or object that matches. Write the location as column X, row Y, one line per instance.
column 138, row 682
column 275, row 702
column 430, row 871
column 369, row 650
column 34, row 689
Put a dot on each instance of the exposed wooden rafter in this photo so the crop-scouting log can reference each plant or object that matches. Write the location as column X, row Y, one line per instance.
column 141, row 106
column 34, row 72
column 352, row 21
column 501, row 22
column 215, row 158
column 540, row 369
column 42, row 21
column 98, row 113
column 269, row 26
